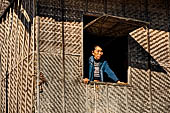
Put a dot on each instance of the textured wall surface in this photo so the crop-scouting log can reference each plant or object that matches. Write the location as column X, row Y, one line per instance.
column 148, row 58
column 61, row 63
column 17, row 60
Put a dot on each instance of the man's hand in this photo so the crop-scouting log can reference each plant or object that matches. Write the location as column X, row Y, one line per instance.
column 86, row 80
column 122, row 83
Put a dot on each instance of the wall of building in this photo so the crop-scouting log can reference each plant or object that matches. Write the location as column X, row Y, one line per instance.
column 61, row 56
column 148, row 58
column 18, row 59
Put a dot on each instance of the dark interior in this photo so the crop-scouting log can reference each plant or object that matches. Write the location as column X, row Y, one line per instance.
column 115, row 51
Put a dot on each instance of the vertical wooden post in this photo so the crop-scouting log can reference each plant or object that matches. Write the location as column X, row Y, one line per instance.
column 1, row 78
column 28, row 46
column 9, row 62
column 63, row 53
column 22, row 60
column 107, row 95
column 95, row 99
column 86, row 98
column 126, row 92
column 7, row 66
column 33, row 52
column 17, row 56
column 149, row 69
column 37, row 52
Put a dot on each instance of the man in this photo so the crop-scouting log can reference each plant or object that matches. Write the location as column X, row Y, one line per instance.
column 97, row 67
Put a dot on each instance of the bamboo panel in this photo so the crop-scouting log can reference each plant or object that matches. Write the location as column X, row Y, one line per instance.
column 117, row 99
column 28, row 97
column 3, row 76
column 29, row 103
column 9, row 60
column 4, row 57
column 14, row 40
column 103, row 99
column 157, row 12
column 14, row 91
column 17, row 47
column 139, row 78
column 51, row 98
column 2, row 36
column 11, row 52
column 75, row 5
column 135, row 9
column 95, row 6
column 159, row 46
column 22, row 54
column 102, row 103
column 19, row 94
column 90, row 99
column 73, row 35
column 73, row 15
column 21, row 39
column 18, row 62
column 115, row 7
column 160, row 80
column 26, row 45
column 138, row 100
column 138, row 55
column 50, row 35
column 161, row 100
column 23, row 86
column 50, row 2
column 2, row 33
column 74, row 10
column 138, row 40
column 74, row 101
column 11, row 78
column 50, row 8
column 11, row 95
column 2, row 83
column 72, row 61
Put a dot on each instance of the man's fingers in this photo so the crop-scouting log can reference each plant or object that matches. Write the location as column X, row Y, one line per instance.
column 86, row 80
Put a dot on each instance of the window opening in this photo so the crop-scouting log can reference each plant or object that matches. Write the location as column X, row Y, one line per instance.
column 111, row 33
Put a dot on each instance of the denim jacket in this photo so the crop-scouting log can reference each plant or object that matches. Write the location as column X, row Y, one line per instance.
column 104, row 67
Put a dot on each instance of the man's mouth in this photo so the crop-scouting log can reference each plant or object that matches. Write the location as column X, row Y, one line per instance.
column 98, row 56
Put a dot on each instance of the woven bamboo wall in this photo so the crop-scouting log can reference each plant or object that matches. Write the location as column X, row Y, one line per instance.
column 60, row 45
column 142, row 71
column 17, row 60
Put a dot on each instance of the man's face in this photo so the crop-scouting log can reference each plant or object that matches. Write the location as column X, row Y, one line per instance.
column 97, row 53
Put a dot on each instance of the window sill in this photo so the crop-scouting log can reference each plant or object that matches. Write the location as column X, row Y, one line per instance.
column 109, row 83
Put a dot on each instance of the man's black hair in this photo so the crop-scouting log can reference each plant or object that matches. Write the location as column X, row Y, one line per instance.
column 95, row 45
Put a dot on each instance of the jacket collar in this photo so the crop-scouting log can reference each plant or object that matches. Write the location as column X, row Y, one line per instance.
column 92, row 61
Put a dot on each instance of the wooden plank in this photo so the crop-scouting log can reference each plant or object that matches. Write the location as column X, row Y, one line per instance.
column 22, row 58
column 33, row 55
column 16, row 59
column 8, row 60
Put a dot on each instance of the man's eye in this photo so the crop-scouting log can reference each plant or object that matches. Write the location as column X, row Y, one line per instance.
column 100, row 51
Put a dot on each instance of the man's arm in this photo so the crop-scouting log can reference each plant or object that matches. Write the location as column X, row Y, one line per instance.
column 110, row 73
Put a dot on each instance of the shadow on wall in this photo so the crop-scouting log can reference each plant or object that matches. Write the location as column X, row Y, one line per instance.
column 23, row 11
column 141, row 59
column 115, row 48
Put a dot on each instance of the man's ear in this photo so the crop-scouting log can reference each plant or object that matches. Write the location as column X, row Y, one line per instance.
column 92, row 53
